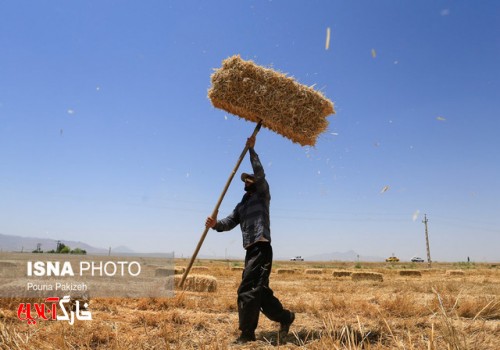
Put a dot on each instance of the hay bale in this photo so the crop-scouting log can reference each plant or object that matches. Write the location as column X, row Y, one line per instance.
column 163, row 272
column 168, row 271
column 410, row 273
column 7, row 264
column 284, row 271
column 455, row 273
column 199, row 268
column 313, row 271
column 341, row 273
column 237, row 268
column 255, row 93
column 367, row 276
column 197, row 283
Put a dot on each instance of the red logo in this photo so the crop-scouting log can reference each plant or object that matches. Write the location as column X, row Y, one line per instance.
column 48, row 310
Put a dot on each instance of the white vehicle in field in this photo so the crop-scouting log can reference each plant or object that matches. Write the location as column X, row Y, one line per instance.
column 417, row 259
column 297, row 258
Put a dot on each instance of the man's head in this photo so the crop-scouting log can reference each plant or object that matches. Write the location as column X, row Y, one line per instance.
column 249, row 180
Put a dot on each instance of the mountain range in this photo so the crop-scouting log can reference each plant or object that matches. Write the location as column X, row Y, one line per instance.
column 10, row 243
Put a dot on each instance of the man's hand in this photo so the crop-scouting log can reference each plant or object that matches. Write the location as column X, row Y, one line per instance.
column 210, row 222
column 251, row 142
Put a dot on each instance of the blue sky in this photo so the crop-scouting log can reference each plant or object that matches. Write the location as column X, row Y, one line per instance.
column 107, row 135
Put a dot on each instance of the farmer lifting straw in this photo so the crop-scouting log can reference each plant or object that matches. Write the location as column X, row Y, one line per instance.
column 295, row 111
column 252, row 214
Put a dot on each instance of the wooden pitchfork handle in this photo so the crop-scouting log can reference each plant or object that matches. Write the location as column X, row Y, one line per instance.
column 216, row 209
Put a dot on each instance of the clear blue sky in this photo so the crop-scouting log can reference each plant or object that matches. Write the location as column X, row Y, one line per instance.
column 107, row 135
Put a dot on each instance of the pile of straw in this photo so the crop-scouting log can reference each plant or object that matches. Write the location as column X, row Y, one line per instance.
column 367, row 276
column 164, row 272
column 197, row 283
column 284, row 271
column 199, row 268
column 410, row 273
column 313, row 271
column 296, row 111
column 455, row 273
column 237, row 268
column 7, row 264
column 341, row 273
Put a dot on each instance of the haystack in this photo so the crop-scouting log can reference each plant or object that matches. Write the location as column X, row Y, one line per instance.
column 255, row 93
column 284, row 271
column 367, row 276
column 410, row 273
column 237, row 268
column 197, row 283
column 341, row 273
column 313, row 271
column 455, row 273
column 163, row 272
column 200, row 268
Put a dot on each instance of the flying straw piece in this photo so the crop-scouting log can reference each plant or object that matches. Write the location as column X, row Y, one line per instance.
column 416, row 214
column 385, row 189
column 441, row 119
column 327, row 46
column 374, row 53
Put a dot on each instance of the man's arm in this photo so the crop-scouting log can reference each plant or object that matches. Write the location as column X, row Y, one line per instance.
column 225, row 224
column 258, row 170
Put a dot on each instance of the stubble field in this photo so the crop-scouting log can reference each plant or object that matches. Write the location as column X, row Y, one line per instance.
column 412, row 308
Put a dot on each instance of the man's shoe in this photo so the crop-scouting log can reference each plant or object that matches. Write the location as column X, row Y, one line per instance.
column 245, row 338
column 285, row 327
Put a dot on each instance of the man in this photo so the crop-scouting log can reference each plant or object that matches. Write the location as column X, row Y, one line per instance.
column 252, row 214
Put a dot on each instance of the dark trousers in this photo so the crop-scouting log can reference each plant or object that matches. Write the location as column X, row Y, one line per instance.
column 254, row 294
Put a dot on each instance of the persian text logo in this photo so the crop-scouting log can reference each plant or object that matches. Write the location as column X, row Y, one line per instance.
column 31, row 312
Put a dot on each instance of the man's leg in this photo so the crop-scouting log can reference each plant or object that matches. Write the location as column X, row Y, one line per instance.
column 255, row 275
column 271, row 306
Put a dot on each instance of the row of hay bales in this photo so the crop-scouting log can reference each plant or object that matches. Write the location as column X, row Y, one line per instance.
column 206, row 283
column 364, row 275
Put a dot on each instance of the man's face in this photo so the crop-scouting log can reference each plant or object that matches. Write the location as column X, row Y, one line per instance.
column 249, row 181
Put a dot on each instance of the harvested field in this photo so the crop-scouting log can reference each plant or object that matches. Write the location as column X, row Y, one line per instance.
column 430, row 312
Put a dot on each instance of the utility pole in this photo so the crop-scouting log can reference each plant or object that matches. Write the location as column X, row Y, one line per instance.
column 425, row 221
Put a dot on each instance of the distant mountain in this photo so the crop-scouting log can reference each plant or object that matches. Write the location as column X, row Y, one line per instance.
column 122, row 249
column 28, row 244
column 342, row 256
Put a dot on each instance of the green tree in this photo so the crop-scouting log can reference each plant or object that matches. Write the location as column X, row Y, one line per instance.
column 79, row 251
column 65, row 250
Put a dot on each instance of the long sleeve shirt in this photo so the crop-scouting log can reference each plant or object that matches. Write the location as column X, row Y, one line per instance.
column 252, row 213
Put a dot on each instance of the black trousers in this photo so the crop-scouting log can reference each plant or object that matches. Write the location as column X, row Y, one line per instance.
column 254, row 294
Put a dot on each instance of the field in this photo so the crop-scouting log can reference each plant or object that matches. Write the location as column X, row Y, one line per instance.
column 411, row 308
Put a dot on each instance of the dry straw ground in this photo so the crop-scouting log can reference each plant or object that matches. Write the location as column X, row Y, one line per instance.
column 434, row 311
